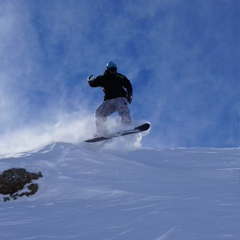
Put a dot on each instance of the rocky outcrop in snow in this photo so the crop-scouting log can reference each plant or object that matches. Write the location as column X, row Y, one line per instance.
column 14, row 180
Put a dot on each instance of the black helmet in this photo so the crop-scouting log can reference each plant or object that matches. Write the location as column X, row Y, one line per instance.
column 111, row 67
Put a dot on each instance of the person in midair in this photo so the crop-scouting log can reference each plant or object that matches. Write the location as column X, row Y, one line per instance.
column 117, row 95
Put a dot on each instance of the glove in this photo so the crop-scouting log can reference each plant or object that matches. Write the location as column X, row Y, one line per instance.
column 90, row 78
column 129, row 97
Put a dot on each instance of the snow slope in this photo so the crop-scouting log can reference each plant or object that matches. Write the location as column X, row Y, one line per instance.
column 138, row 193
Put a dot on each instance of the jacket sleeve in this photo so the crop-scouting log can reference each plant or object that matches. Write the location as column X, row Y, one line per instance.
column 96, row 82
column 127, row 84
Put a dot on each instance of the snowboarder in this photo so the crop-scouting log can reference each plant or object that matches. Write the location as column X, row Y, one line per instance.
column 118, row 94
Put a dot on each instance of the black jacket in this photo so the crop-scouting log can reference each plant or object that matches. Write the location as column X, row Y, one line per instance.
column 114, row 85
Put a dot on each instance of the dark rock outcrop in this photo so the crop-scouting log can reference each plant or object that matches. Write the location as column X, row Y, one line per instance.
column 16, row 179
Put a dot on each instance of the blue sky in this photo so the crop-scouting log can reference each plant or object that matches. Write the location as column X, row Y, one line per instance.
column 182, row 58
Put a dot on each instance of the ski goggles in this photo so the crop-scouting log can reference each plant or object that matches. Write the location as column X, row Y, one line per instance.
column 112, row 70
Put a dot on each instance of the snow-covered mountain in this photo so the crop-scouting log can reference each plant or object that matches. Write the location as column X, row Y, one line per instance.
column 130, row 193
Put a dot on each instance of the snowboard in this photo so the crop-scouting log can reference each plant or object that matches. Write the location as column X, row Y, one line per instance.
column 141, row 128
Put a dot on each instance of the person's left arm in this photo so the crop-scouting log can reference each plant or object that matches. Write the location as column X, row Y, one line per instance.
column 128, row 86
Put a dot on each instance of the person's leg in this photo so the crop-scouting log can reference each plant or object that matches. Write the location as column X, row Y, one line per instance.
column 123, row 110
column 101, row 114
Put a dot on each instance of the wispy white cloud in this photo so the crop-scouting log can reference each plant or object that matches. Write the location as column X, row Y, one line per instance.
column 181, row 59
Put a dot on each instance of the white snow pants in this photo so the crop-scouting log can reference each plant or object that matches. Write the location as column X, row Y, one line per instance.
column 107, row 108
